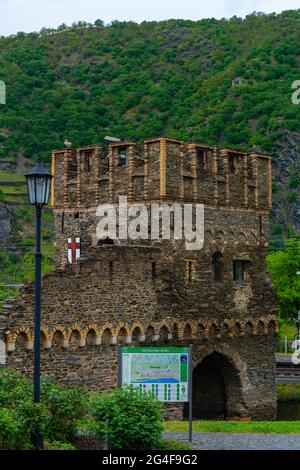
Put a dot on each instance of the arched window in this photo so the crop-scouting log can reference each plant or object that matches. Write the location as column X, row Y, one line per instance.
column 136, row 334
column 149, row 334
column 164, row 334
column 91, row 338
column 122, row 335
column 74, row 338
column 217, row 266
column 106, row 337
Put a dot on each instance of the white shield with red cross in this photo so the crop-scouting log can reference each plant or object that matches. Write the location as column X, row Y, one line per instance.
column 73, row 249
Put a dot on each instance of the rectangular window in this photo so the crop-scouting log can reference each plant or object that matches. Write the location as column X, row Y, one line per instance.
column 87, row 161
column 201, row 158
column 261, row 232
column 111, row 270
column 232, row 165
column 153, row 271
column 62, row 222
column 239, row 270
column 122, row 157
column 72, row 168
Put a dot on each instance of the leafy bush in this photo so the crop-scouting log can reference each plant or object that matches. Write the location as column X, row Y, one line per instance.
column 12, row 436
column 56, row 415
column 288, row 392
column 57, row 445
column 128, row 419
column 64, row 407
column 13, row 388
column 17, row 425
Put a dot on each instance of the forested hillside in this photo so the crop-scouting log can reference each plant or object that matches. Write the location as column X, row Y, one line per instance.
column 226, row 82
column 139, row 80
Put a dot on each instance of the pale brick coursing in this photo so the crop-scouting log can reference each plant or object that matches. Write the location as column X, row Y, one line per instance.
column 111, row 296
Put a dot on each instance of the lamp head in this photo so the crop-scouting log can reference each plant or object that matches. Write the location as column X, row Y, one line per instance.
column 38, row 185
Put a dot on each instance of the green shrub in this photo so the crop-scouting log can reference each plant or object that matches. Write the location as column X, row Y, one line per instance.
column 65, row 406
column 56, row 415
column 128, row 419
column 288, row 392
column 11, row 432
column 57, row 445
column 89, row 427
column 14, row 387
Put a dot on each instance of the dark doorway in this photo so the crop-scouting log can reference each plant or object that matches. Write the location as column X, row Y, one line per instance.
column 216, row 388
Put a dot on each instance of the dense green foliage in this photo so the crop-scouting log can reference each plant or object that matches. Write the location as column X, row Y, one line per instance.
column 288, row 402
column 128, row 420
column 141, row 80
column 123, row 418
column 283, row 267
column 288, row 392
column 57, row 414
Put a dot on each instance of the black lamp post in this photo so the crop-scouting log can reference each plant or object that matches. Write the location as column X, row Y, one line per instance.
column 38, row 185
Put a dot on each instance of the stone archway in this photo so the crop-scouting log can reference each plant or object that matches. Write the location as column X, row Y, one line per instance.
column 217, row 388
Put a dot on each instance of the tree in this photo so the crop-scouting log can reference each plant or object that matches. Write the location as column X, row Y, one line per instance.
column 99, row 23
column 283, row 267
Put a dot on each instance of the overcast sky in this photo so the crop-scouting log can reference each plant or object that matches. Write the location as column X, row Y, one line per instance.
column 32, row 15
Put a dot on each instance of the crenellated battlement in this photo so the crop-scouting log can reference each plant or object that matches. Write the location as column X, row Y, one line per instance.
column 161, row 169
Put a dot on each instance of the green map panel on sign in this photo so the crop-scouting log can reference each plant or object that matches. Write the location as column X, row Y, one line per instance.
column 163, row 372
column 151, row 368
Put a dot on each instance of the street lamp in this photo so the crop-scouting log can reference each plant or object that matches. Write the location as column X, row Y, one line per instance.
column 38, row 185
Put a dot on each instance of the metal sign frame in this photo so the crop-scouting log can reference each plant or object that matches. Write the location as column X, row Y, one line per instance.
column 190, row 380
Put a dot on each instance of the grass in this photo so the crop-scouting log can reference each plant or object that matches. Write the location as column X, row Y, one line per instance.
column 175, row 445
column 20, row 198
column 12, row 177
column 238, row 427
column 21, row 190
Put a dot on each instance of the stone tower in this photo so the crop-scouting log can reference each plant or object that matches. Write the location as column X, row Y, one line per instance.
column 218, row 298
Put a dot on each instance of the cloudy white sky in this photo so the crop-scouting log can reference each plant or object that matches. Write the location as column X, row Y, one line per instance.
column 32, row 15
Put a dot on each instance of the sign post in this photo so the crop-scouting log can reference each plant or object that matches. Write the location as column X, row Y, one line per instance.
column 190, row 387
column 166, row 373
column 120, row 368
